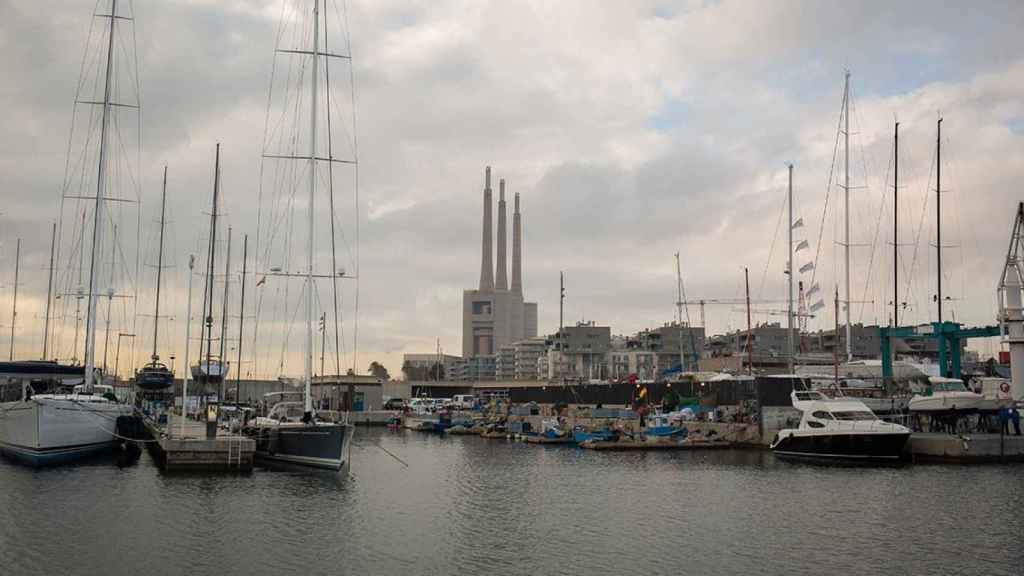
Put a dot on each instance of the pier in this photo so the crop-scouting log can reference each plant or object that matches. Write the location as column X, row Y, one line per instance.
column 965, row 448
column 193, row 451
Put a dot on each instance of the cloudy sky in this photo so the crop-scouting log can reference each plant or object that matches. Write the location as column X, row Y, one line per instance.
column 632, row 130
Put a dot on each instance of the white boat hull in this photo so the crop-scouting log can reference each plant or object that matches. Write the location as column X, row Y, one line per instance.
column 53, row 429
column 947, row 401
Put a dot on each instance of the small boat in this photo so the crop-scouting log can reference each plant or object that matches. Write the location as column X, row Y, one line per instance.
column 551, row 433
column 495, row 431
column 154, row 376
column 946, row 395
column 292, row 433
column 660, row 425
column 581, row 435
column 839, row 429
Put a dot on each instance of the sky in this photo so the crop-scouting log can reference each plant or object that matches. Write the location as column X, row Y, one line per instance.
column 632, row 130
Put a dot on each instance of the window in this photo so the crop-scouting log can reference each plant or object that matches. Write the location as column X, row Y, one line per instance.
column 855, row 415
column 814, row 424
column 822, row 415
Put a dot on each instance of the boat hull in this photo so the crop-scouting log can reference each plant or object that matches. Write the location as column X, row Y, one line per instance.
column 57, row 430
column 842, row 446
column 947, row 402
column 319, row 445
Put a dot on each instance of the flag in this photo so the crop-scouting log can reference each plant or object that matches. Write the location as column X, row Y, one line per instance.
column 803, row 244
column 807, row 267
column 798, row 224
column 814, row 288
column 817, row 306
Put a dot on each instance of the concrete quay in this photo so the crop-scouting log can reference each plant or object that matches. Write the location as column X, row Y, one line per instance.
column 175, row 452
column 965, row 448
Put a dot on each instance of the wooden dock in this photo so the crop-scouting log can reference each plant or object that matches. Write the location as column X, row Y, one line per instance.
column 228, row 452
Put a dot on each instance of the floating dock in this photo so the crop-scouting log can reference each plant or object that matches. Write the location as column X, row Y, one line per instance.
column 193, row 451
column 965, row 448
column 635, row 445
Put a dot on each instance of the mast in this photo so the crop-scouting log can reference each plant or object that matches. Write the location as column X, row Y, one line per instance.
column 938, row 213
column 750, row 334
column 241, row 320
column 895, row 227
column 110, row 297
column 846, row 197
column 160, row 267
column 789, row 314
column 188, row 342
column 97, row 228
column 308, row 376
column 212, row 253
column 49, row 294
column 14, row 308
column 679, row 312
column 835, row 346
column 224, row 317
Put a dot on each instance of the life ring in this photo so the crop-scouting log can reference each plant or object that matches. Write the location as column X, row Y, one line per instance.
column 1004, row 388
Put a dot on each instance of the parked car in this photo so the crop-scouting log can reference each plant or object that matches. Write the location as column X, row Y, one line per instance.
column 463, row 401
column 395, row 404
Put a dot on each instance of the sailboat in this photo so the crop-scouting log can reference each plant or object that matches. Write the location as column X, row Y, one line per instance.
column 155, row 375
column 293, row 432
column 41, row 420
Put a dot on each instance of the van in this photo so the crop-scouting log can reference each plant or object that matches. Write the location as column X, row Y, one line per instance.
column 463, row 401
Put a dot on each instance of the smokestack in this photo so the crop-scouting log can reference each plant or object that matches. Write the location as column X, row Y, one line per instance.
column 501, row 277
column 517, row 250
column 486, row 264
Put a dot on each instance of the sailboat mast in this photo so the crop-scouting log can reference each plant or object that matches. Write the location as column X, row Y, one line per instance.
column 14, row 307
column 308, row 376
column 938, row 213
column 224, row 316
column 896, row 228
column 160, row 266
column 846, row 196
column 110, row 298
column 789, row 315
column 208, row 295
column 49, row 294
column 241, row 320
column 750, row 333
column 97, row 227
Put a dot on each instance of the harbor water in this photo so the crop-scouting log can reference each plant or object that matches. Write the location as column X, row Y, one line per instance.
column 466, row 505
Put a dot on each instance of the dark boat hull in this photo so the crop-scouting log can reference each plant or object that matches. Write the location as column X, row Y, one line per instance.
column 848, row 447
column 319, row 445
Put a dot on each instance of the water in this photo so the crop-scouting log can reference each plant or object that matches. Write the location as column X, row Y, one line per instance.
column 466, row 505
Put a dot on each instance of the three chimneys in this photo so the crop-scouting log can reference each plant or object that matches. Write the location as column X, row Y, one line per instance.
column 487, row 274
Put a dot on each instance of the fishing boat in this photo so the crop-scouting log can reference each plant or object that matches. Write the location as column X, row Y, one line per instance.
column 45, row 418
column 298, row 435
column 839, row 429
column 946, row 395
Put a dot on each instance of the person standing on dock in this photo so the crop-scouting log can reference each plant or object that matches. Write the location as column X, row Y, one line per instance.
column 1015, row 418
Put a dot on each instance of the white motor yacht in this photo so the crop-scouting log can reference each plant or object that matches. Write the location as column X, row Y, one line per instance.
column 839, row 429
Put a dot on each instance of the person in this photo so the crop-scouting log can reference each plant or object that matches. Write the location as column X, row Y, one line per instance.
column 1015, row 417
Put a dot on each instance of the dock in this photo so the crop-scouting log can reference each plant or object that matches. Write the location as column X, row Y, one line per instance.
column 965, row 448
column 193, row 451
column 623, row 445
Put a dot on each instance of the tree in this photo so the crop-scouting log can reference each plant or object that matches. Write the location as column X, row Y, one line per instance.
column 378, row 370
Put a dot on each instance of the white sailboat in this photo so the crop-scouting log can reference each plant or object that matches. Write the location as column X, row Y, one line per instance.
column 56, row 427
column 293, row 432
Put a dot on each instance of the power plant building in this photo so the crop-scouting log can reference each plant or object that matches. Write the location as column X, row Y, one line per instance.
column 495, row 315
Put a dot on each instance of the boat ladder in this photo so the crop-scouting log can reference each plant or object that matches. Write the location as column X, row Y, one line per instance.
column 235, row 451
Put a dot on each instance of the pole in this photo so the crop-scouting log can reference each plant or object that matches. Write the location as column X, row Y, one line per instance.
column 241, row 320
column 97, row 226
column 846, row 196
column 789, row 314
column 159, row 265
column 14, row 308
column 188, row 338
column 835, row 346
column 750, row 334
column 895, row 228
column 308, row 376
column 208, row 289
column 938, row 217
column 49, row 294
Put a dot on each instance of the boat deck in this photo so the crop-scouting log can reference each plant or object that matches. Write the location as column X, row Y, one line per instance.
column 193, row 451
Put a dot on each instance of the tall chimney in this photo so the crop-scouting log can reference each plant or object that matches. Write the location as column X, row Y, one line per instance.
column 486, row 264
column 501, row 277
column 517, row 250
